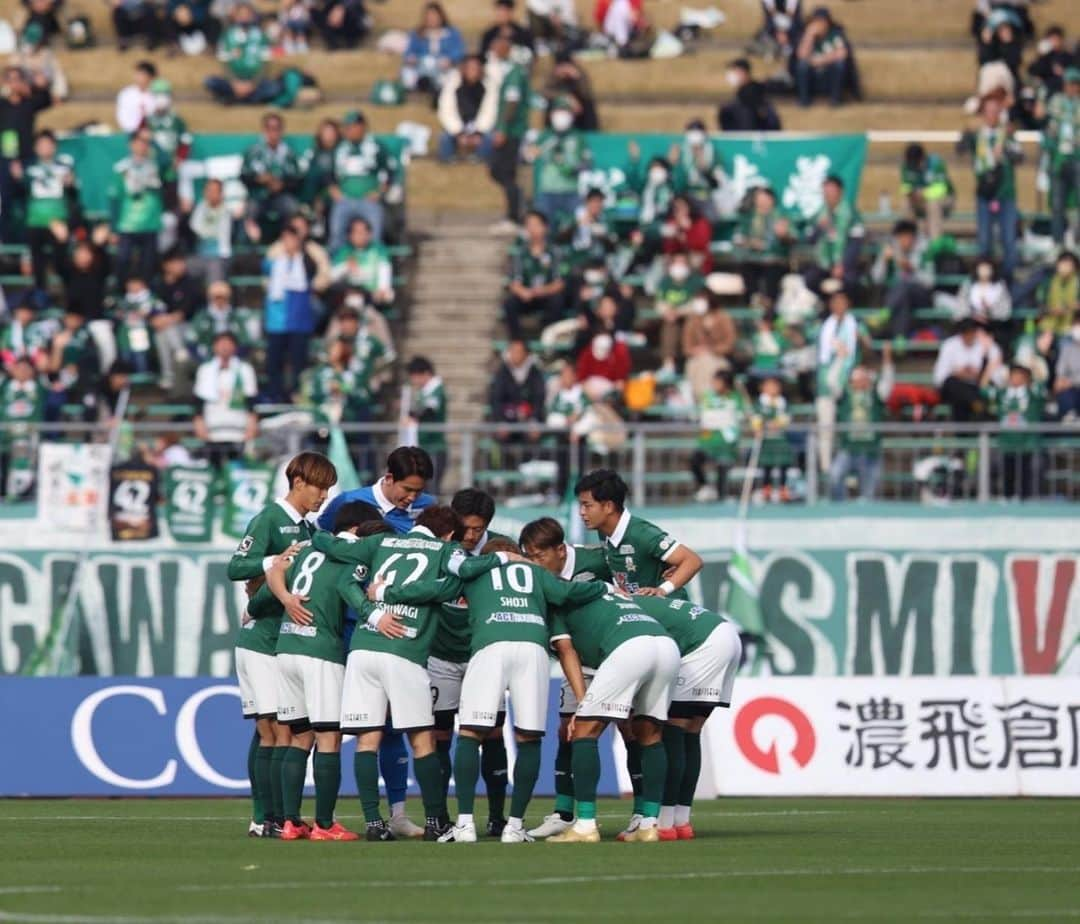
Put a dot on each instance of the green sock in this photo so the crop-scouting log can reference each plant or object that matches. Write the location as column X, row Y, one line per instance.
column 429, row 778
column 564, row 779
column 675, row 747
column 586, row 769
column 263, row 762
column 466, row 773
column 692, row 771
column 258, row 810
column 442, row 751
column 526, row 771
column 633, row 767
column 493, row 767
column 276, row 757
column 293, row 771
column 366, row 768
column 327, row 783
column 653, row 775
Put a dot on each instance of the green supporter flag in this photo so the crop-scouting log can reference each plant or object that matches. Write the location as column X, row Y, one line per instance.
column 247, row 491
column 189, row 503
column 743, row 605
column 338, row 454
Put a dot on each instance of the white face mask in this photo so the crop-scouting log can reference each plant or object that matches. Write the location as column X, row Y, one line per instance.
column 732, row 79
column 602, row 346
column 595, row 277
column 657, row 175
column 162, row 102
column 561, row 120
column 679, row 272
column 700, row 306
column 695, row 138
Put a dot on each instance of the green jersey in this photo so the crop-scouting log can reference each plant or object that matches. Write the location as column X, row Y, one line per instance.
column 244, row 51
column 697, row 172
column 1018, row 410
column 995, row 149
column 336, row 394
column 598, row 627
column 368, row 268
column 862, row 410
column 567, row 403
column 559, row 160
column 1062, row 135
column 585, row 563
column 208, row 323
column 931, row 179
column 721, row 418
column 170, row 136
column 758, row 234
column 534, row 268
column 50, row 184
column 833, row 238
column 637, row 553
column 271, row 532
column 688, row 624
column 20, row 403
column 361, row 168
column 771, row 414
column 429, row 407
column 262, row 160
column 674, row 293
column 512, row 118
column 135, row 195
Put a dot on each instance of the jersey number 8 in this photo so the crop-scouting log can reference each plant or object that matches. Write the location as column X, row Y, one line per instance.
column 306, row 575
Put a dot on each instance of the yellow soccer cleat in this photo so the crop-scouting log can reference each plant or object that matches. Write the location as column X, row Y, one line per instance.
column 573, row 836
column 643, row 836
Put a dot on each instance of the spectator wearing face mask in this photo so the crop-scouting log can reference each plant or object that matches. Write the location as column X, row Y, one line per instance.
column 698, row 172
column 1067, row 376
column 782, row 27
column 708, row 341
column 651, row 184
column 560, row 155
column 985, row 297
column 678, row 288
column 750, row 110
column 603, row 367
column 687, row 230
column 568, row 79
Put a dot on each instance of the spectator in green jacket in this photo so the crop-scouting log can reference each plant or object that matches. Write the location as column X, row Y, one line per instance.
column 1062, row 140
column 1018, row 407
column 511, row 124
column 428, row 407
column 363, row 263
column 135, row 196
column 837, row 233
column 925, row 184
column 860, row 413
column 536, row 285
column 220, row 316
column 994, row 154
column 271, row 173
column 363, row 171
column 52, row 200
column 765, row 237
column 559, row 156
column 721, row 413
column 906, row 273
column 244, row 50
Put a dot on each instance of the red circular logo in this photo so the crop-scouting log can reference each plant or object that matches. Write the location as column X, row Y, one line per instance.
column 768, row 760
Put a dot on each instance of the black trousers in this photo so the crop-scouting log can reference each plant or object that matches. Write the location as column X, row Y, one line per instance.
column 961, row 397
column 503, row 169
column 1018, row 474
column 697, row 468
column 550, row 309
column 43, row 247
column 141, row 21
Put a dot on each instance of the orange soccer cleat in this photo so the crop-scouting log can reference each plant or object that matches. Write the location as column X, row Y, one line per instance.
column 336, row 832
column 685, row 832
column 668, row 834
column 291, row 831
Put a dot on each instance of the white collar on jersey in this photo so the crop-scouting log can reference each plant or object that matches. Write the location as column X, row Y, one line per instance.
column 377, row 492
column 617, row 534
column 478, row 549
column 568, row 569
column 423, row 530
column 347, row 536
column 293, row 513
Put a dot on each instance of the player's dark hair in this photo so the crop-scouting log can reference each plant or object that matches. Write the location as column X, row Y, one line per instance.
column 440, row 519
column 356, row 513
column 914, row 154
column 147, row 67
column 314, row 468
column 545, row 533
column 835, row 180
column 420, row 365
column 472, row 502
column 604, row 485
column 409, row 460
column 373, row 528
column 500, row 544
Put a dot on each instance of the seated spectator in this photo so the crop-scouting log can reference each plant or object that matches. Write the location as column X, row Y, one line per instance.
column 782, row 27
column 593, row 285
column 1062, row 139
column 244, row 50
column 364, row 264
column 22, row 403
column 994, row 155
column 837, row 232
column 189, row 26
column 903, row 269
column 698, row 172
column 708, row 342
column 362, row 173
column 823, row 64
column 1018, row 407
column 603, row 367
column 135, row 197
column 967, row 363
column 85, row 274
column 23, row 336
column 1054, row 58
column 687, row 230
column 652, row 186
column 36, row 59
column 1000, row 40
column 925, row 184
column 52, row 203
column 132, row 314
column 553, row 24
column 569, row 81
column 770, row 419
column 294, row 20
column 720, row 413
column 517, row 391
column 588, row 239
column 271, row 173
column 135, row 19
column 226, row 388
column 435, row 48
column 220, row 316
column 342, row 23
column 20, row 102
column 1059, row 296
column 467, row 109
column 135, row 102
column 838, row 343
column 765, row 237
column 337, row 390
column 46, row 13
column 365, row 328
column 521, row 39
column 73, row 366
column 985, row 297
column 675, row 295
column 1067, row 377
column 750, row 110
column 624, row 24
column 211, row 225
column 289, row 316
column 560, row 155
column 111, row 386
column 536, row 286
column 860, row 412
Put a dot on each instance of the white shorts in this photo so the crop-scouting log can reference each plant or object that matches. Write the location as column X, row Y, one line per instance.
column 707, row 674
column 567, row 701
column 521, row 668
column 309, row 689
column 376, row 681
column 637, row 678
column 257, row 674
column 446, row 677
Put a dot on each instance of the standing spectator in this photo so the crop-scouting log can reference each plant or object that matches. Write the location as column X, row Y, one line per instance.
column 137, row 207
column 428, row 407
column 771, row 420
column 536, row 285
column 170, row 136
column 860, row 412
column 37, row 60
column 1019, row 408
column 823, row 62
column 782, row 27
column 20, row 102
column 225, row 388
column 765, row 237
column 181, row 297
column 837, row 232
column 566, row 406
column 1054, row 59
column 603, row 366
column 362, row 172
column 720, row 413
column 135, row 19
column 364, row 264
column 271, row 173
column 86, row 273
column 73, row 366
column 520, row 38
column 925, row 184
column 967, row 363
column 907, row 275
column 837, row 354
column 342, row 23
column 511, row 123
column 687, row 230
column 133, row 315
column 1062, row 140
column 553, row 24
column 625, row 26
column 750, row 110
column 994, row 153
column 698, row 172
column 675, row 293
column 1059, row 296
column 435, row 47
column 23, row 337
column 217, row 317
column 517, row 390
column 52, row 201
column 1000, row 40
column 708, row 342
column 211, row 225
column 244, row 50
column 22, row 402
column 1067, row 376
column 569, row 80
column 316, row 166
column 313, row 249
column 467, row 108
column 560, row 156
column 289, row 317
column 135, row 102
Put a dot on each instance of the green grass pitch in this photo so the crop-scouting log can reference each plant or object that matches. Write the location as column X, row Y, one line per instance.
column 189, row 862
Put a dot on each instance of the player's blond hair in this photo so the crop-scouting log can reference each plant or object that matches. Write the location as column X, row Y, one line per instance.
column 313, row 468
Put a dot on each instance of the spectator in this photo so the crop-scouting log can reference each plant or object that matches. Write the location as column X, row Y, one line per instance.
column 609, row 314
column 85, row 274
column 1059, row 296
column 588, row 239
column 37, row 61
column 366, row 329
column 823, row 64
column 428, row 407
column 22, row 402
column 467, row 108
column 708, row 342
column 46, row 13
column 73, row 366
column 837, row 354
column 553, row 24
column 903, row 269
column 362, row 173
column 316, row 166
column 560, row 155
column 211, row 225
column 675, row 294
column 521, row 48
column 189, row 26
column 1019, row 408
column 536, row 285
column 511, row 123
column 137, row 207
column 294, row 20
column 170, row 136
column 1062, row 139
column 652, row 185
column 52, row 202
column 1000, row 40
column 594, row 285
column 364, row 264
column 765, row 237
column 271, row 173
column 289, row 318
column 312, row 249
column 720, row 413
column 697, row 172
column 244, row 50
column 517, row 391
column 837, row 232
column 860, row 412
column 435, row 48
column 225, row 387
column 334, row 389
column 135, row 102
column 994, row 153
column 342, row 23
column 603, row 367
column 985, row 296
column 769, row 345
column 1067, row 376
column 569, row 81
column 135, row 338
column 20, row 102
column 625, row 26
column 687, row 230
column 771, row 421
column 1054, row 59
column 782, row 27
column 219, row 316
column 111, row 387
column 967, row 363
column 750, row 110
column 925, row 184
column 24, row 337
column 135, row 19
column 566, row 408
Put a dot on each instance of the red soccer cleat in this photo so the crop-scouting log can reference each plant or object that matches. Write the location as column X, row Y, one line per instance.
column 334, row 833
column 668, row 834
column 685, row 832
column 291, row 831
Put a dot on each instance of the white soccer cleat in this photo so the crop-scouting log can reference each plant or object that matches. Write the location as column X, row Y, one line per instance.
column 552, row 824
column 631, row 828
column 516, row 836
column 465, row 834
column 402, row 828
column 254, row 830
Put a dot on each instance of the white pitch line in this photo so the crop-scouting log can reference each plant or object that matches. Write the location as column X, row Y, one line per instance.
column 995, row 913
column 29, row 890
column 31, row 918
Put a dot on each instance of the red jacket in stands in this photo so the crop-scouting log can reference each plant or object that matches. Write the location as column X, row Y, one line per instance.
column 615, row 368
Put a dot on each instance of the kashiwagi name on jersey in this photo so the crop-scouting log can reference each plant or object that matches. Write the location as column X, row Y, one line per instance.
column 415, row 543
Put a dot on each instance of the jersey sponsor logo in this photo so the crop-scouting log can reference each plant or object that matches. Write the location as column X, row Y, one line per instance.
column 404, row 610
column 292, row 628
column 626, row 550
column 584, row 576
column 245, row 545
column 531, row 619
column 289, row 529
column 631, row 565
column 634, row 617
column 412, row 542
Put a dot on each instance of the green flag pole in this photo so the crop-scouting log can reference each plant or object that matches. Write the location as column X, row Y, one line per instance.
column 743, row 605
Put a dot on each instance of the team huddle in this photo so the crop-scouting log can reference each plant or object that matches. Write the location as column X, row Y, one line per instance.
column 400, row 617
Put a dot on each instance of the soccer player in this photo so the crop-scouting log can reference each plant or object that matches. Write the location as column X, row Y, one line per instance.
column 643, row 559
column 710, row 652
column 274, row 529
column 508, row 619
column 636, row 664
column 544, row 543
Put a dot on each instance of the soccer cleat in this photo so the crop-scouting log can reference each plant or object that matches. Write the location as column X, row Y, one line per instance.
column 379, row 831
column 496, row 826
column 461, row 834
column 650, row 835
column 442, row 832
column 667, row 834
column 635, row 823
column 685, row 832
column 272, row 829
column 574, row 836
column 336, row 832
column 291, row 831
column 551, row 825
column 256, row 830
column 515, row 836
column 404, row 829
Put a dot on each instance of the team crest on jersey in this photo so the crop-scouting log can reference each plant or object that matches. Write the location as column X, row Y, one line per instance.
column 245, row 544
column 666, row 543
column 626, row 550
column 631, row 565
column 360, row 573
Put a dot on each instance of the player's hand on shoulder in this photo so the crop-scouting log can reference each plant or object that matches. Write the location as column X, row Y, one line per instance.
column 650, row 592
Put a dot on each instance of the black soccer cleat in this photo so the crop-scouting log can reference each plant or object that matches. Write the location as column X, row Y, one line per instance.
column 495, row 827
column 437, row 830
column 379, row 831
column 272, row 829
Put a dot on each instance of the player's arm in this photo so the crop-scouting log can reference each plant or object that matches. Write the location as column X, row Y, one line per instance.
column 568, row 659
column 263, row 605
column 367, row 613
column 558, row 592
column 682, row 563
column 251, row 558
column 277, row 581
column 429, row 590
column 470, row 567
column 345, row 551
